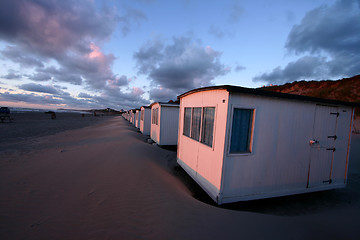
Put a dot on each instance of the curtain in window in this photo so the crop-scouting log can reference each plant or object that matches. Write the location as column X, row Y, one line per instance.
column 240, row 132
column 196, row 123
column 153, row 116
column 157, row 116
column 208, row 126
column 187, row 122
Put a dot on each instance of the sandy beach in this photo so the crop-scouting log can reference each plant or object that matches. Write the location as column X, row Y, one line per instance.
column 98, row 178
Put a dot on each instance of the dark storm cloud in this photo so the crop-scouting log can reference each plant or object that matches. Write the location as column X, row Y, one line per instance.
column 182, row 65
column 15, row 55
column 30, row 98
column 50, row 28
column 84, row 95
column 70, row 34
column 12, row 74
column 328, row 28
column 331, row 37
column 33, row 87
column 58, row 75
column 304, row 68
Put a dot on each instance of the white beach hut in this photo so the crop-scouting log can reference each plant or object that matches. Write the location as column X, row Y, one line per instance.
column 164, row 123
column 133, row 116
column 126, row 115
column 242, row 144
column 145, row 120
column 138, row 116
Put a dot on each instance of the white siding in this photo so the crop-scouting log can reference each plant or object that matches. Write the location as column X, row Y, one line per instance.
column 280, row 158
column 165, row 133
column 155, row 129
column 279, row 162
column 146, row 122
column 138, row 116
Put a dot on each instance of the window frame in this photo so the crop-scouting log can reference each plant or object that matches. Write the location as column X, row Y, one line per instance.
column 201, row 124
column 202, row 127
column 155, row 116
column 251, row 131
column 189, row 133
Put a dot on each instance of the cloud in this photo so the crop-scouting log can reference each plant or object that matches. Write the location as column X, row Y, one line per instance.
column 15, row 55
column 61, row 41
column 329, row 37
column 130, row 18
column 163, row 95
column 12, row 74
column 84, row 95
column 239, row 68
column 32, row 87
column 216, row 31
column 179, row 66
column 236, row 12
column 304, row 68
column 30, row 98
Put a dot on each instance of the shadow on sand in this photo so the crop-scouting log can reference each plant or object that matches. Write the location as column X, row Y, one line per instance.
column 294, row 205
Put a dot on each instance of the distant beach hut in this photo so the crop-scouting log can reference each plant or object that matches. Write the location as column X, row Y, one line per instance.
column 138, row 116
column 145, row 120
column 164, row 123
column 126, row 115
column 133, row 116
column 242, row 144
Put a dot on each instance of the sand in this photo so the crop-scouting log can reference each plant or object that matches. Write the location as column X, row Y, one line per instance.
column 105, row 181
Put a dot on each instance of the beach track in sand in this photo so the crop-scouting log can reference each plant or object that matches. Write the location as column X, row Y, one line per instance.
column 105, row 181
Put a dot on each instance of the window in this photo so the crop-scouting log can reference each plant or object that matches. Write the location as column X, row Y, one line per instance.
column 241, row 130
column 199, row 124
column 196, row 123
column 187, row 121
column 155, row 116
column 208, row 126
column 142, row 115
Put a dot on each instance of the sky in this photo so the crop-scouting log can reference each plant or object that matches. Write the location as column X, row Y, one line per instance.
column 90, row 54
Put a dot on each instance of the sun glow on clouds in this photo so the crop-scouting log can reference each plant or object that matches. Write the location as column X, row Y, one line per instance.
column 95, row 52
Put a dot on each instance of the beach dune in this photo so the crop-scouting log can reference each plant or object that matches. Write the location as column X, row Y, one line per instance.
column 105, row 181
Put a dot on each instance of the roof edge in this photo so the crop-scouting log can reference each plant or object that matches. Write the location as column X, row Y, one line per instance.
column 260, row 92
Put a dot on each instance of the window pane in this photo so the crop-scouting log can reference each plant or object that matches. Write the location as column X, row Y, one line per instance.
column 241, row 129
column 195, row 124
column 142, row 115
column 157, row 116
column 187, row 121
column 208, row 126
column 152, row 116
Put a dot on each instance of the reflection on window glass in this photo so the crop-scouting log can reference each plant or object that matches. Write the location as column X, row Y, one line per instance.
column 241, row 130
column 187, row 122
column 195, row 123
column 208, row 126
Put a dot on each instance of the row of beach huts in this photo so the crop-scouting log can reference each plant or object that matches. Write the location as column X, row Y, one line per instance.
column 242, row 144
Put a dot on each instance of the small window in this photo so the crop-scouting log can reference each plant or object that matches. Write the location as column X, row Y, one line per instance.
column 241, row 130
column 208, row 126
column 196, row 123
column 155, row 116
column 187, row 121
column 142, row 115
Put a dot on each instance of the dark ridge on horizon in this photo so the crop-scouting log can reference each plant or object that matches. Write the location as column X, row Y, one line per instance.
column 346, row 89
